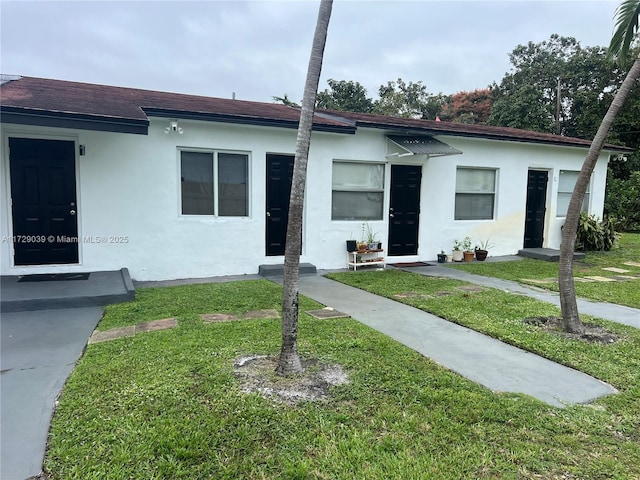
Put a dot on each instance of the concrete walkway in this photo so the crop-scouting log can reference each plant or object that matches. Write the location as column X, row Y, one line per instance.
column 44, row 328
column 39, row 351
column 480, row 358
column 608, row 311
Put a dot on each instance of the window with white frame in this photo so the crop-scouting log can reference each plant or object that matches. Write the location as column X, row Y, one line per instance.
column 214, row 183
column 475, row 193
column 566, row 183
column 357, row 191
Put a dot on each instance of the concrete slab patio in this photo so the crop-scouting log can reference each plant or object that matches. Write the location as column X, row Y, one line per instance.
column 100, row 288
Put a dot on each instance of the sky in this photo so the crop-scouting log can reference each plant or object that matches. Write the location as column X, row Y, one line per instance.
column 260, row 49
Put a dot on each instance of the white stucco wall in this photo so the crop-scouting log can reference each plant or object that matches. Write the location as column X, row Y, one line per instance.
column 129, row 192
column 512, row 160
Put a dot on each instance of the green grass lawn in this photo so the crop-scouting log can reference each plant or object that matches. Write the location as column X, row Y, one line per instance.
column 623, row 293
column 166, row 405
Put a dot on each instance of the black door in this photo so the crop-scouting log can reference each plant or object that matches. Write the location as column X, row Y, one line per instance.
column 43, row 196
column 536, row 201
column 404, row 209
column 279, row 175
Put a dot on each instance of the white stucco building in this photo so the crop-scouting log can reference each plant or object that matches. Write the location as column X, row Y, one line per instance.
column 173, row 186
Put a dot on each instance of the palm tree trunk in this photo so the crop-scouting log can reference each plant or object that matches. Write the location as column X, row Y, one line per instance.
column 289, row 358
column 568, row 304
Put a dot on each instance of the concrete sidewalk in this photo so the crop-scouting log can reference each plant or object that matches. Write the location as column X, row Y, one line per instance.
column 39, row 351
column 44, row 327
column 608, row 311
column 480, row 358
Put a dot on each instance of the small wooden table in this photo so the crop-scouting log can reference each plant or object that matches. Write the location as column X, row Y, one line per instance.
column 367, row 258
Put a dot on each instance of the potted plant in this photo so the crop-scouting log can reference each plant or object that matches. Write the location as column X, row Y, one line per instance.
column 457, row 251
column 370, row 237
column 442, row 257
column 482, row 250
column 481, row 255
column 352, row 245
column 467, row 253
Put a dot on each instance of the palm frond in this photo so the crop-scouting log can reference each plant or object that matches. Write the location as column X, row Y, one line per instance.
column 627, row 18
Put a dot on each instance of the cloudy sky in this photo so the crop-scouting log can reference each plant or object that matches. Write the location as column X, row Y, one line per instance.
column 259, row 49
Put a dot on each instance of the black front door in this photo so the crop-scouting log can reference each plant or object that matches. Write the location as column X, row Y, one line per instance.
column 43, row 197
column 279, row 175
column 404, row 209
column 536, row 201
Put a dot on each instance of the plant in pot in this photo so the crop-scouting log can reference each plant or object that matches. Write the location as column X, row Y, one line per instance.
column 457, row 251
column 482, row 250
column 370, row 237
column 352, row 245
column 442, row 257
column 467, row 253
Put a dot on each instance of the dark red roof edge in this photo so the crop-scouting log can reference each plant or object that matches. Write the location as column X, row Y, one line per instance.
column 30, row 100
column 432, row 127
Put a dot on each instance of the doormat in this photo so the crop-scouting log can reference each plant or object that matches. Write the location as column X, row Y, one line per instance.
column 53, row 277
column 411, row 264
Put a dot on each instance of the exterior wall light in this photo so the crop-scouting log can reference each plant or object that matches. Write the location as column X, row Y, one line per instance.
column 173, row 127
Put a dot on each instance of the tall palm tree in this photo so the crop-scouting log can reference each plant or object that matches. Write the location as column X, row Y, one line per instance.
column 628, row 14
column 289, row 359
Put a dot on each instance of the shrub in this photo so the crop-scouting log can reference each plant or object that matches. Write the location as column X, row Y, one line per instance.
column 594, row 234
column 622, row 202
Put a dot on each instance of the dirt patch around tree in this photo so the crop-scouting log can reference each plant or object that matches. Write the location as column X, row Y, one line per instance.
column 257, row 374
column 593, row 333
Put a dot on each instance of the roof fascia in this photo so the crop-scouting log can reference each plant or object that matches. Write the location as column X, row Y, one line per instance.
column 243, row 120
column 452, row 133
column 44, row 118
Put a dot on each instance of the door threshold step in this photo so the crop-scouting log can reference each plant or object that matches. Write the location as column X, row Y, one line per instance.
column 546, row 254
column 277, row 270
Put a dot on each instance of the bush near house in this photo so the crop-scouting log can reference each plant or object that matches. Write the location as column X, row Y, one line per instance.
column 622, row 201
column 595, row 235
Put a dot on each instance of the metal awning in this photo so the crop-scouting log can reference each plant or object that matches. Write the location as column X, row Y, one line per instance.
column 421, row 145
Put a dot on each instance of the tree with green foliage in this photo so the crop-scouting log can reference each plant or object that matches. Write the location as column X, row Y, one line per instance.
column 622, row 203
column 628, row 14
column 410, row 100
column 622, row 199
column 527, row 96
column 289, row 361
column 346, row 96
column 396, row 98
